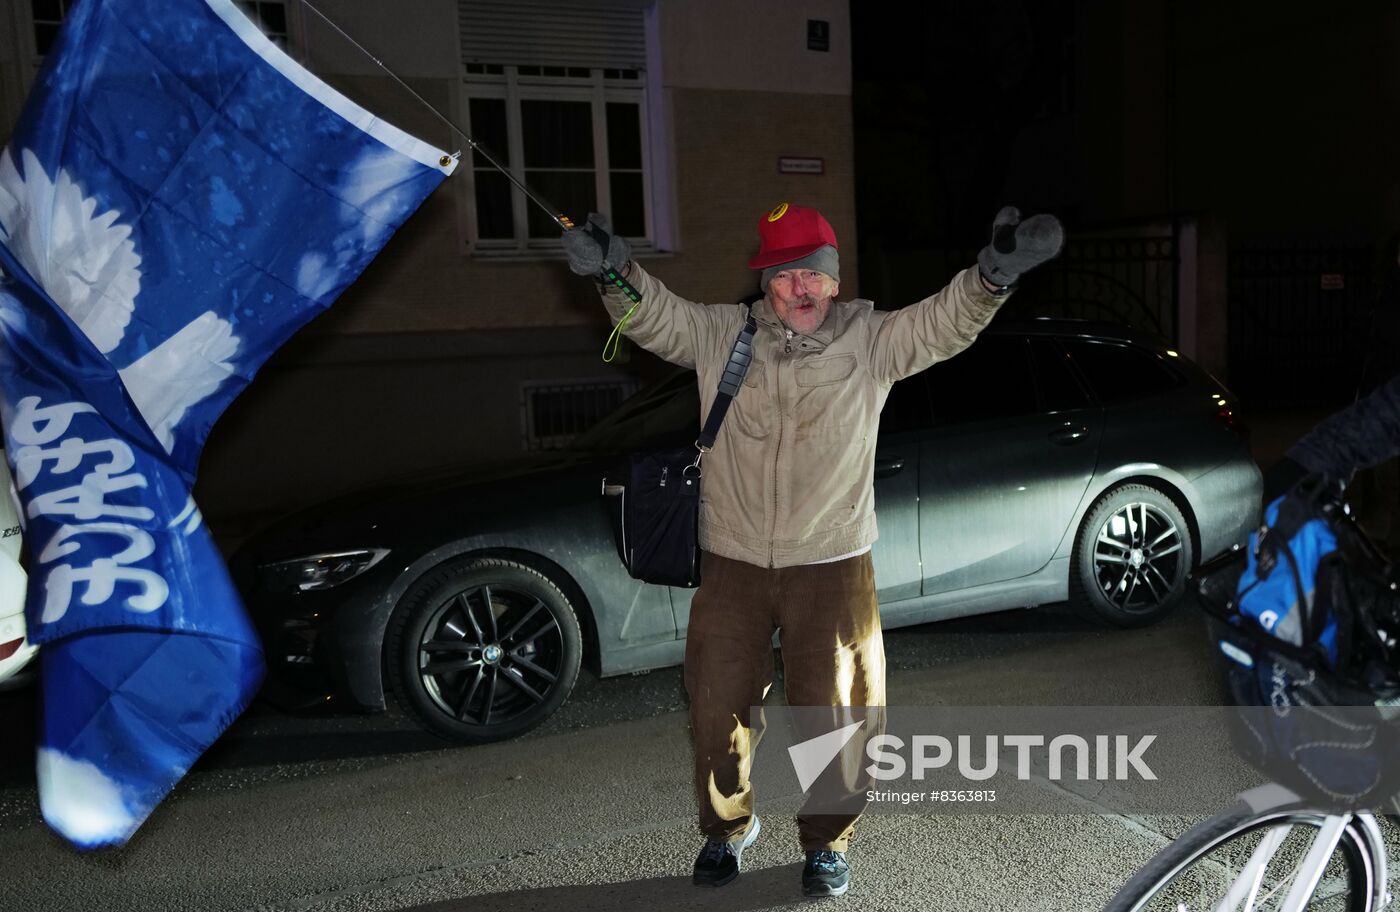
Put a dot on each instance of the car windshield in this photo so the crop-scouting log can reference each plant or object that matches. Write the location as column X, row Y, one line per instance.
column 666, row 413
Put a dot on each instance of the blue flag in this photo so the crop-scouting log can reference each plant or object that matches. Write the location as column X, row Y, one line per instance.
column 176, row 200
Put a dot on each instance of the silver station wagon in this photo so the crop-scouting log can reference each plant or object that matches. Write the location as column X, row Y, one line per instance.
column 1052, row 460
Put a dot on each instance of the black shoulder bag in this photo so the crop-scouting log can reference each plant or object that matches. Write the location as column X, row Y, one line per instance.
column 655, row 503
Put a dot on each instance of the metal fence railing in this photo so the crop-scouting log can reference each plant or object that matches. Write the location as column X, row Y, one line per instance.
column 1300, row 316
column 1126, row 279
column 1125, row 275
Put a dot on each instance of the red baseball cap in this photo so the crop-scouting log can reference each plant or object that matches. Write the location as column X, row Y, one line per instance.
column 790, row 233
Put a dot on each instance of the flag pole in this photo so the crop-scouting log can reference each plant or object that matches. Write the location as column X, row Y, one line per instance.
column 563, row 221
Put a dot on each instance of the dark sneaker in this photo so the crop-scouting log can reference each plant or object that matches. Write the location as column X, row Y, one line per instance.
column 825, row 874
column 720, row 862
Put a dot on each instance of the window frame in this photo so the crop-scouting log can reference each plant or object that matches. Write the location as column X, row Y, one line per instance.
column 290, row 11
column 31, row 45
column 1068, row 366
column 512, row 87
column 24, row 24
column 1087, row 381
column 940, row 423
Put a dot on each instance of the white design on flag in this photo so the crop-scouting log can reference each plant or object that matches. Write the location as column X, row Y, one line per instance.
column 812, row 756
column 11, row 319
column 35, row 431
column 375, row 186
column 90, row 266
column 190, row 516
column 179, row 373
column 101, row 578
column 86, row 262
column 315, row 275
column 80, row 800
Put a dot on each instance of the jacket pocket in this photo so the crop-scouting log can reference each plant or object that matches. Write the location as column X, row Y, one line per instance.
column 825, row 371
column 754, row 376
column 747, row 412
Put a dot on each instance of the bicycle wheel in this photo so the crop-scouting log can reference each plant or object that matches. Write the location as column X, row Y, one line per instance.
column 1201, row 868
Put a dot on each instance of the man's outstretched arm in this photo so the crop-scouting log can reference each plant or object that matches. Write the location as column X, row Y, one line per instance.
column 1359, row 436
column 662, row 322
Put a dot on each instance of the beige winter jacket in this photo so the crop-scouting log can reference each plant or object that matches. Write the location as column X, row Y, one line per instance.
column 790, row 479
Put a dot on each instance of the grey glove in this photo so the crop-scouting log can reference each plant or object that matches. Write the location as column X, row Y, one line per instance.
column 1019, row 246
column 585, row 246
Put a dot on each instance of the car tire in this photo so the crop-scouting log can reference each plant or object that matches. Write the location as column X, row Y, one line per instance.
column 483, row 649
column 1131, row 557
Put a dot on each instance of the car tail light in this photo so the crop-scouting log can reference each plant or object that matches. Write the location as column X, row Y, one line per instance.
column 10, row 648
column 1232, row 419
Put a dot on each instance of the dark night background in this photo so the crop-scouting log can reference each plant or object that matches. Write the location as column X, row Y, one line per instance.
column 1267, row 128
column 943, row 90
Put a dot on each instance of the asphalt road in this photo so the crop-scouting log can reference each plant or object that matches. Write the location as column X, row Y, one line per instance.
column 593, row 811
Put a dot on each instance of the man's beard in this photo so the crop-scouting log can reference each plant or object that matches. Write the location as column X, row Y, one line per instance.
column 806, row 300
column 806, row 313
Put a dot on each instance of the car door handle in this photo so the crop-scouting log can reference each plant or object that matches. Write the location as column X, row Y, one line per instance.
column 1069, row 435
column 885, row 466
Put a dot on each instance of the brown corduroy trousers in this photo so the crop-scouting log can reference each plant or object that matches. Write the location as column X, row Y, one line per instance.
column 833, row 656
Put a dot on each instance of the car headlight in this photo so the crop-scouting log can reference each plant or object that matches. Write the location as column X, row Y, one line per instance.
column 318, row 571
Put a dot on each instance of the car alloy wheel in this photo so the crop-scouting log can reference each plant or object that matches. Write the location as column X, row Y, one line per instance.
column 483, row 649
column 1132, row 556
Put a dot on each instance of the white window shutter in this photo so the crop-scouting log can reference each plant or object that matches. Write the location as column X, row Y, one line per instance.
column 577, row 33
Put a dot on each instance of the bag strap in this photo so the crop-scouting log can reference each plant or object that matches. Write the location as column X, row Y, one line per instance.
column 1312, row 497
column 729, row 382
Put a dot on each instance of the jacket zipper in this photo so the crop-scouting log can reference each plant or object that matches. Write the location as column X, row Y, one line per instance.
column 778, row 380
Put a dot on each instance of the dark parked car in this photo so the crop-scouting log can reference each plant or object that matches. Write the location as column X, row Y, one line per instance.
column 1051, row 460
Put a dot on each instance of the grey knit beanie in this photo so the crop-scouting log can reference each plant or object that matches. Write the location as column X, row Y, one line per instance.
column 823, row 259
